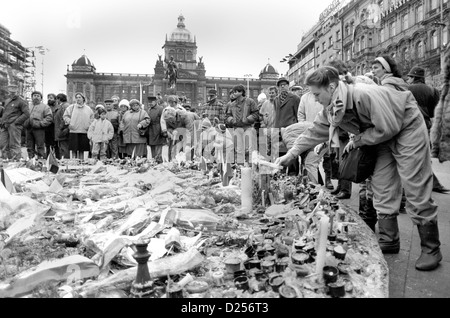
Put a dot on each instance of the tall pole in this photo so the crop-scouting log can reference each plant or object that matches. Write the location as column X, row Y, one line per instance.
column 42, row 73
column 247, row 76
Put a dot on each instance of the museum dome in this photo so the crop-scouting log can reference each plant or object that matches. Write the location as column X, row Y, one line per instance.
column 83, row 61
column 83, row 64
column 268, row 72
column 268, row 69
column 181, row 34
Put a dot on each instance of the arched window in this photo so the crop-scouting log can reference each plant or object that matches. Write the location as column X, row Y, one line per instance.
column 420, row 49
column 363, row 43
column 171, row 53
column 189, row 55
column 358, row 45
column 405, row 54
column 347, row 30
column 180, row 55
column 434, row 40
column 445, row 36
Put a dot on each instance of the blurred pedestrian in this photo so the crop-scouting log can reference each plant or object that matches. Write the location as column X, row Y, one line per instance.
column 132, row 122
column 79, row 117
column 100, row 133
column 16, row 112
column 41, row 117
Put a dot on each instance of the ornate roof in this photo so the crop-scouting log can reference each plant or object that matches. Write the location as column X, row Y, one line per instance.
column 83, row 64
column 83, row 61
column 268, row 72
column 181, row 34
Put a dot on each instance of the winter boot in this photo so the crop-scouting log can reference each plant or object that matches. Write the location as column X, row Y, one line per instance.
column 388, row 239
column 429, row 241
column 328, row 183
column 367, row 212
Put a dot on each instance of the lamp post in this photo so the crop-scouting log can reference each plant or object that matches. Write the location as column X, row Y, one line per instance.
column 248, row 76
column 42, row 51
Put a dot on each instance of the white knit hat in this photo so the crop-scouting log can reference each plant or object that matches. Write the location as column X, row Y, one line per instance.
column 125, row 102
column 99, row 106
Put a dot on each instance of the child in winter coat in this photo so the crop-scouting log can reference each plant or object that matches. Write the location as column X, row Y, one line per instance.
column 100, row 132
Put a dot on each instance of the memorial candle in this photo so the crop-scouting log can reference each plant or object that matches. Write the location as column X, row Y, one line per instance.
column 246, row 190
column 322, row 246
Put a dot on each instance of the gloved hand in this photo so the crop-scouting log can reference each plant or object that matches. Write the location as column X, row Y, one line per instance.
column 139, row 126
column 231, row 122
column 319, row 148
column 164, row 134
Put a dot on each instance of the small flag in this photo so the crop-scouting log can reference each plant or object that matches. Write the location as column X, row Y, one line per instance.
column 8, row 184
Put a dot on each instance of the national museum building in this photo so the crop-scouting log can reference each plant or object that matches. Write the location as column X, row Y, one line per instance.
column 192, row 81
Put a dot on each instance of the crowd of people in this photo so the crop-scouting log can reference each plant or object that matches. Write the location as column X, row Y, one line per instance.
column 301, row 127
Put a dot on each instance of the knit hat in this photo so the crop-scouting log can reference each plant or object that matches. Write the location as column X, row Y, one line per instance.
column 262, row 97
column 99, row 106
column 125, row 102
column 37, row 92
column 206, row 123
column 172, row 98
column 169, row 113
column 134, row 102
column 108, row 100
column 81, row 94
column 100, row 110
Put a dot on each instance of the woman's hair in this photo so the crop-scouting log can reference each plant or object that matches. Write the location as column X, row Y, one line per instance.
column 62, row 97
column 323, row 76
column 392, row 64
column 339, row 65
column 445, row 88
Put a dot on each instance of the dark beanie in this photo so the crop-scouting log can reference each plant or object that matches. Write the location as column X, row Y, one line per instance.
column 37, row 92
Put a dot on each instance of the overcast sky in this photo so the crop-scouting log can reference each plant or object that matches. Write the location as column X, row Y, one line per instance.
column 235, row 37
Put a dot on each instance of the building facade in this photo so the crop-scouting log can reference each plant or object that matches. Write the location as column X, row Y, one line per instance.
column 192, row 81
column 413, row 32
column 13, row 57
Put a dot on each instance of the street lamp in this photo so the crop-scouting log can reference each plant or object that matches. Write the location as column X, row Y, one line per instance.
column 248, row 76
column 42, row 51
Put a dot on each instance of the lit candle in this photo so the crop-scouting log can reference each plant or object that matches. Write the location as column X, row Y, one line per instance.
column 246, row 190
column 322, row 246
column 263, row 199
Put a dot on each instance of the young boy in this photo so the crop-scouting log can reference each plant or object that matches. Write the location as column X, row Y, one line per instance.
column 100, row 132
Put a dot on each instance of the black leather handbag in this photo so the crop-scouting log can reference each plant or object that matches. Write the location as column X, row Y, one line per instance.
column 358, row 164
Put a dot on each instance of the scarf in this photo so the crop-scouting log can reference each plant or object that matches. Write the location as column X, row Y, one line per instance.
column 336, row 112
column 283, row 96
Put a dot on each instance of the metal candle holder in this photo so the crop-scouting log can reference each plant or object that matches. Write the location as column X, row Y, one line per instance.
column 142, row 285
